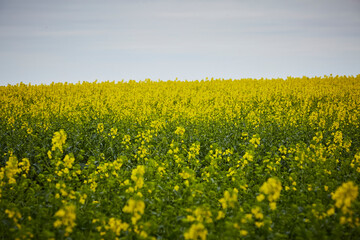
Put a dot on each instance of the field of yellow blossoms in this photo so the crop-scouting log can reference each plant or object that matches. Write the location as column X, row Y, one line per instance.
column 210, row 159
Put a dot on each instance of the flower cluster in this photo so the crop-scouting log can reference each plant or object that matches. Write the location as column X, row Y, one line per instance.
column 196, row 231
column 229, row 199
column 345, row 195
column 135, row 208
column 66, row 217
column 137, row 175
column 58, row 140
column 116, row 226
column 271, row 188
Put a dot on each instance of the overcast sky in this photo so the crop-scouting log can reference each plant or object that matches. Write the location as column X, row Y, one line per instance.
column 84, row 40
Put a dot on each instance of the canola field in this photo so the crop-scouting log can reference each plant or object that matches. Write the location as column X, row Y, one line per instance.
column 210, row 159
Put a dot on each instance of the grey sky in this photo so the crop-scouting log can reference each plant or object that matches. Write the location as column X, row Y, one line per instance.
column 45, row 41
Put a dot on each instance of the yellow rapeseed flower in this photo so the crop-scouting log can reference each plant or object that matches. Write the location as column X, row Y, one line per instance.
column 180, row 131
column 68, row 161
column 229, row 200
column 100, row 127
column 196, row 231
column 272, row 188
column 58, row 140
column 66, row 217
column 137, row 176
column 11, row 169
column 345, row 195
column 243, row 233
column 257, row 212
column 136, row 208
column 116, row 226
column 24, row 165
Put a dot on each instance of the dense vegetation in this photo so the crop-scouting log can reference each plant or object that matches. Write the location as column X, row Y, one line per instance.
column 211, row 159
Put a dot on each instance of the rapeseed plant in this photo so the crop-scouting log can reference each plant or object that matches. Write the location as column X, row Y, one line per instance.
column 345, row 195
column 135, row 208
column 216, row 159
column 196, row 231
column 66, row 217
column 58, row 140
